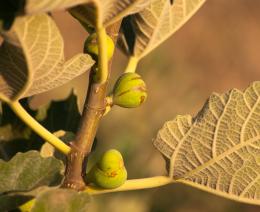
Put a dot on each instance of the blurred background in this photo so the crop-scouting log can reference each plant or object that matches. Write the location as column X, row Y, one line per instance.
column 218, row 49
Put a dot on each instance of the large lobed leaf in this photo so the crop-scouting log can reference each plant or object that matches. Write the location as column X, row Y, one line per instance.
column 26, row 171
column 219, row 150
column 32, row 59
column 106, row 12
column 155, row 23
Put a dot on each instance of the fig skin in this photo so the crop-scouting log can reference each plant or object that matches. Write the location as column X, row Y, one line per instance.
column 109, row 172
column 129, row 91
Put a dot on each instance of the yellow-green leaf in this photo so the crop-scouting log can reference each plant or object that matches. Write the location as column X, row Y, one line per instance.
column 32, row 59
column 158, row 21
column 219, row 150
column 106, row 12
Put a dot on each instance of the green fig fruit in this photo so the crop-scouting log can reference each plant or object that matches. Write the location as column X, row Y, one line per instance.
column 129, row 91
column 111, row 160
column 91, row 46
column 109, row 172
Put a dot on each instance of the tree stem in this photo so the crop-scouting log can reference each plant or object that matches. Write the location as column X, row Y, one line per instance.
column 94, row 108
column 38, row 128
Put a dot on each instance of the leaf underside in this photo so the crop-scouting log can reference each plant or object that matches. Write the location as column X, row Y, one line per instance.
column 155, row 23
column 32, row 59
column 219, row 150
column 107, row 11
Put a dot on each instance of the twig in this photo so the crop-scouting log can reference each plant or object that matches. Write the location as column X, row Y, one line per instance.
column 94, row 108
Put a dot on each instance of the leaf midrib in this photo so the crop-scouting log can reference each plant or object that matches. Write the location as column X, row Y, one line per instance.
column 223, row 155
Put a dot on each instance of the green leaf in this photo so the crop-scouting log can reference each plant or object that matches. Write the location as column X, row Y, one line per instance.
column 106, row 12
column 219, row 150
column 26, row 171
column 155, row 23
column 61, row 200
column 32, row 59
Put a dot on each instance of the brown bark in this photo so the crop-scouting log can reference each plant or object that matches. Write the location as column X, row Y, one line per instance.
column 94, row 108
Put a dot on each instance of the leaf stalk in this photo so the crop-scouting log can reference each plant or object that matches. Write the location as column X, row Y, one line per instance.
column 132, row 64
column 134, row 184
column 38, row 128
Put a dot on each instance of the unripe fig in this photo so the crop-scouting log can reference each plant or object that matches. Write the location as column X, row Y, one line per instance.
column 129, row 91
column 111, row 160
column 91, row 46
column 109, row 172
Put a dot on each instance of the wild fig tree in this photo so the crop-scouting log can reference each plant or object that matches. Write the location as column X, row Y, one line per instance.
column 216, row 151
